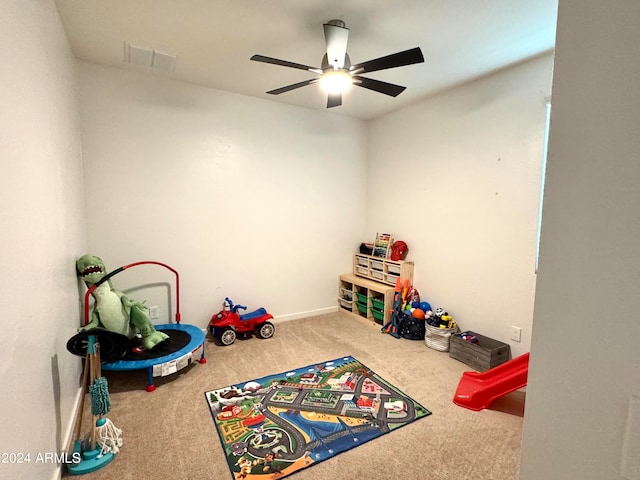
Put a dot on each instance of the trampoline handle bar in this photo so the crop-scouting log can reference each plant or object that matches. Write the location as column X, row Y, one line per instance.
column 118, row 270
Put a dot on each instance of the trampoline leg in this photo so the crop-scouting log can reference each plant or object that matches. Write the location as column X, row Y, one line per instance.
column 202, row 359
column 150, row 386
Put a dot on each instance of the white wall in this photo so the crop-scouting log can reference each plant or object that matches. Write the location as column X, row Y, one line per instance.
column 246, row 198
column 585, row 360
column 42, row 230
column 457, row 177
column 259, row 201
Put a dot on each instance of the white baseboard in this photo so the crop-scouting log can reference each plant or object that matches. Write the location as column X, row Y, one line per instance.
column 309, row 313
column 295, row 316
column 66, row 440
column 57, row 474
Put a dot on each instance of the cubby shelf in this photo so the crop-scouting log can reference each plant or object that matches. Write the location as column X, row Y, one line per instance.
column 368, row 291
column 382, row 270
column 366, row 298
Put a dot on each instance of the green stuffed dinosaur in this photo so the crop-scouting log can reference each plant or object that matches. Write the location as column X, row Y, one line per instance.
column 112, row 309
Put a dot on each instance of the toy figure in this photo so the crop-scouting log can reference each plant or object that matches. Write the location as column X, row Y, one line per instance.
column 269, row 467
column 113, row 310
column 245, row 466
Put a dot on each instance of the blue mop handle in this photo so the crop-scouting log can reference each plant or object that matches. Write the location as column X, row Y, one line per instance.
column 99, row 389
column 91, row 347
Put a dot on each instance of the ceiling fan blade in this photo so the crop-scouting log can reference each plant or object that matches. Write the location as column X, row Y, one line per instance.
column 336, row 36
column 379, row 86
column 400, row 59
column 293, row 86
column 283, row 63
column 334, row 100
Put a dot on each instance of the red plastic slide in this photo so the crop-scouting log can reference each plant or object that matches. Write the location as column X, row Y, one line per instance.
column 476, row 390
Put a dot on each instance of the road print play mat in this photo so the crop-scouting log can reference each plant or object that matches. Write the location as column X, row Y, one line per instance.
column 273, row 426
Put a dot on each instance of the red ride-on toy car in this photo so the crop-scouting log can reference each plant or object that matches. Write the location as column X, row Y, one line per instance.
column 227, row 324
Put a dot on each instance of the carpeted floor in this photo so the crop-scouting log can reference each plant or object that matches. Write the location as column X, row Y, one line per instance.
column 168, row 434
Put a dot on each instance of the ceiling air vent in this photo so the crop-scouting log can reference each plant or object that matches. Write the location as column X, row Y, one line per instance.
column 145, row 57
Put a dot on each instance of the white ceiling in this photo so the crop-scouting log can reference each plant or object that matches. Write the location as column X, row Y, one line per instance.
column 213, row 40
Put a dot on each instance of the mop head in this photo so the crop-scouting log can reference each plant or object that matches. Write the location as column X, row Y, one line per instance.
column 99, row 392
column 109, row 436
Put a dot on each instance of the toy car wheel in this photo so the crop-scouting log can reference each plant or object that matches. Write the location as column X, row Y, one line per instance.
column 228, row 336
column 266, row 330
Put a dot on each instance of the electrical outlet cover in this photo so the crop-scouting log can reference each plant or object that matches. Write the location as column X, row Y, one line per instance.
column 516, row 334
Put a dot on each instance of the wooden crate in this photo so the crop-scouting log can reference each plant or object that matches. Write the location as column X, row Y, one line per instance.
column 482, row 356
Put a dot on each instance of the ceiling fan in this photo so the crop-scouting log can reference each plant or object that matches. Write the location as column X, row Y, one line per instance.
column 337, row 73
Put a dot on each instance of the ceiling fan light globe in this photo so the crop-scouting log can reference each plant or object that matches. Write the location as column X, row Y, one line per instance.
column 335, row 81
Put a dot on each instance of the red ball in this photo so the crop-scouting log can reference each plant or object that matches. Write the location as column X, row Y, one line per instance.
column 417, row 313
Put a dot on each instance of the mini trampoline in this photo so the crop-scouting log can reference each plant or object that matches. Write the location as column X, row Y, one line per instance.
column 185, row 344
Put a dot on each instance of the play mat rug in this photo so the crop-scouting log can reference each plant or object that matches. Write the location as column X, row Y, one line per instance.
column 273, row 426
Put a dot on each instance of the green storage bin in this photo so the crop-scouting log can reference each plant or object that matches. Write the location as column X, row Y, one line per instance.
column 377, row 303
column 378, row 314
column 362, row 298
column 361, row 307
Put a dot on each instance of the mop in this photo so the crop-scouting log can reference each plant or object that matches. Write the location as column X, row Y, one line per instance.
column 76, row 446
column 105, row 433
column 105, row 438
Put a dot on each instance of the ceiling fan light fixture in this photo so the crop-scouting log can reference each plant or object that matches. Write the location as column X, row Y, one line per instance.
column 335, row 81
column 336, row 73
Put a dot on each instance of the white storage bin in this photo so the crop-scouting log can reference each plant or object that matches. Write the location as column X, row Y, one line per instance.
column 346, row 294
column 376, row 264
column 364, row 261
column 363, row 270
column 377, row 274
column 393, row 268
column 346, row 303
column 390, row 277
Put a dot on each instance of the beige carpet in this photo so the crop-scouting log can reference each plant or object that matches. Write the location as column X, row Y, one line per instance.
column 169, row 434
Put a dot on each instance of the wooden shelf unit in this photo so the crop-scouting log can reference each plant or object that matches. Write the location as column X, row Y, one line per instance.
column 382, row 269
column 352, row 289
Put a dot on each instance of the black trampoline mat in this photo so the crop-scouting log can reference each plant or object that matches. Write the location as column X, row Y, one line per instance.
column 178, row 339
